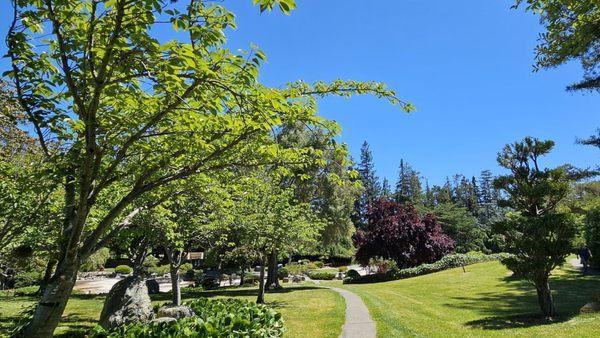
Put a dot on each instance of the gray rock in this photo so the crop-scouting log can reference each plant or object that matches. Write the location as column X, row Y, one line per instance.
column 127, row 302
column 153, row 286
column 590, row 307
column 164, row 320
column 176, row 312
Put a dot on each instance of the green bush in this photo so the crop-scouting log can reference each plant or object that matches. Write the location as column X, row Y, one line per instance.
column 159, row 270
column 311, row 266
column 96, row 260
column 151, row 262
column 447, row 262
column 213, row 318
column 352, row 274
column 321, row 275
column 343, row 268
column 297, row 269
column 123, row 269
column 282, row 272
column 29, row 278
column 319, row 264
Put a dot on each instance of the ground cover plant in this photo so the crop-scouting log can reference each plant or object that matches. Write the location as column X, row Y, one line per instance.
column 213, row 318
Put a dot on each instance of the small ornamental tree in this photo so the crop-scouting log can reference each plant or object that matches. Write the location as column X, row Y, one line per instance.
column 537, row 233
column 397, row 232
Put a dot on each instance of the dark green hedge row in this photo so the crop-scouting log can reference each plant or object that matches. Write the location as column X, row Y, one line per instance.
column 447, row 262
column 214, row 318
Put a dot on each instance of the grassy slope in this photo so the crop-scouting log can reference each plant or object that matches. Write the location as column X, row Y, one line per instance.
column 482, row 302
column 307, row 311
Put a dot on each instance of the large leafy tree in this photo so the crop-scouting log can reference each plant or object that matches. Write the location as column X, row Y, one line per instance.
column 537, row 232
column 397, row 232
column 118, row 113
column 572, row 33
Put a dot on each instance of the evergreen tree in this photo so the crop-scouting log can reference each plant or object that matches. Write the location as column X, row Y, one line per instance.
column 408, row 186
column 371, row 186
column 386, row 190
column 488, row 197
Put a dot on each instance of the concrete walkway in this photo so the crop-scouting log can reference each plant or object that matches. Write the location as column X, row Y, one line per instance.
column 358, row 321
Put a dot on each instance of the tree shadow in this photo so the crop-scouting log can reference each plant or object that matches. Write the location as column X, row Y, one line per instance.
column 519, row 308
column 191, row 293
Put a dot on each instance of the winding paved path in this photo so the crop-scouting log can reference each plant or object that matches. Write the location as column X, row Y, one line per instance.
column 358, row 321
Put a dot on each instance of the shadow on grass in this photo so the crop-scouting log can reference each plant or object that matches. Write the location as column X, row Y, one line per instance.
column 518, row 308
column 191, row 293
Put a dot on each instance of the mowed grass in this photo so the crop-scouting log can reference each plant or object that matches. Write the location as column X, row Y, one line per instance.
column 308, row 311
column 484, row 301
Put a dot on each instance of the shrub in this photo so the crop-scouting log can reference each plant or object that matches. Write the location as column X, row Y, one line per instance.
column 311, row 266
column 29, row 278
column 123, row 269
column 383, row 265
column 321, row 275
column 96, row 260
column 352, row 274
column 319, row 264
column 282, row 273
column 343, row 268
column 297, row 269
column 397, row 232
column 151, row 262
column 213, row 318
column 448, row 262
column 159, row 270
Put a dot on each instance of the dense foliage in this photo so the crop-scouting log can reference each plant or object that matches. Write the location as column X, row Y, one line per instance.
column 321, row 275
column 538, row 233
column 572, row 33
column 397, row 232
column 213, row 318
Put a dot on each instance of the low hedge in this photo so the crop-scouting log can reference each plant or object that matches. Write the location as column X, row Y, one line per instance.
column 213, row 318
column 321, row 275
column 447, row 262
column 123, row 269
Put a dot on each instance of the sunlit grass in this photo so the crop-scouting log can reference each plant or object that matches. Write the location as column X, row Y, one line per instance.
column 308, row 311
column 484, row 301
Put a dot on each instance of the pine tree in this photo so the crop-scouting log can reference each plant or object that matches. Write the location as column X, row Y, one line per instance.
column 386, row 190
column 370, row 182
column 408, row 186
column 488, row 197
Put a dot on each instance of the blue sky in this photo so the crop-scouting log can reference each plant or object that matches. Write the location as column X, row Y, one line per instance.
column 466, row 65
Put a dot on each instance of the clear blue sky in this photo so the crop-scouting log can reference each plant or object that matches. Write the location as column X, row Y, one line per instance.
column 466, row 65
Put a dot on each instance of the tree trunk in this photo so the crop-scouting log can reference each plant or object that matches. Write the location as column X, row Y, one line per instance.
column 545, row 297
column 242, row 275
column 272, row 280
column 47, row 275
column 175, row 285
column 261, row 284
column 52, row 304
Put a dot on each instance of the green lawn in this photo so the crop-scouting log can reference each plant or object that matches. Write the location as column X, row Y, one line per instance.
column 484, row 301
column 308, row 311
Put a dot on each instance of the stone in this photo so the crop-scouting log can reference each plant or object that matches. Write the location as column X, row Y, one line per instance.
column 153, row 286
column 128, row 301
column 164, row 320
column 176, row 312
column 590, row 307
column 296, row 279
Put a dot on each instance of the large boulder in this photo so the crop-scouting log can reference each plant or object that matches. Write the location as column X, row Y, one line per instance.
column 153, row 286
column 176, row 312
column 127, row 302
column 590, row 307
